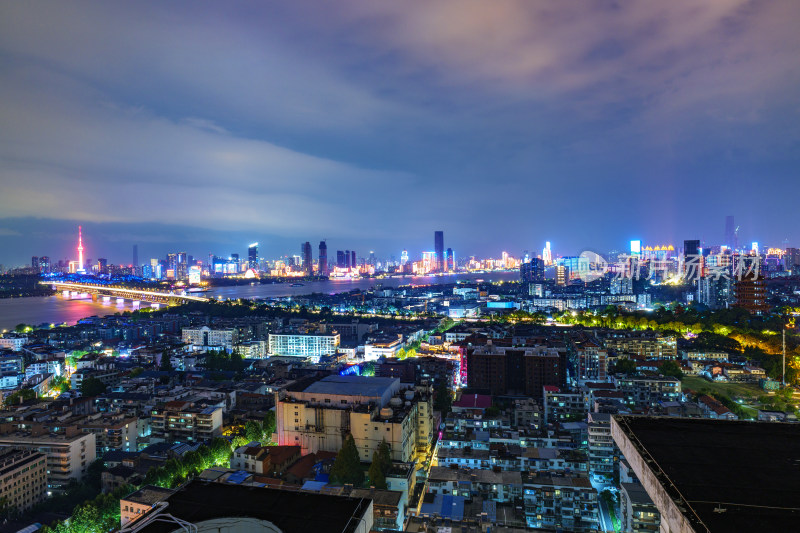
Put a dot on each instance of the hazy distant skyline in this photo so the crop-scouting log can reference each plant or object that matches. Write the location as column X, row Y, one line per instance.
column 110, row 241
column 203, row 127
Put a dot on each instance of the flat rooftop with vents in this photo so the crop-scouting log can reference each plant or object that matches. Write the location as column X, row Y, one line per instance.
column 715, row 475
column 233, row 508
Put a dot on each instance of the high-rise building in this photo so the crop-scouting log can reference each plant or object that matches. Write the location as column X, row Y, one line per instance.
column 102, row 266
column 691, row 248
column 438, row 241
column 730, row 233
column 353, row 259
column 252, row 256
column 24, row 480
column 44, row 264
column 181, row 268
column 341, row 261
column 135, row 258
column 547, row 254
column 79, row 267
column 562, row 275
column 35, row 262
column 533, row 271
column 372, row 260
column 750, row 292
column 504, row 370
column 791, row 259
column 308, row 260
column 450, row 260
column 323, row 258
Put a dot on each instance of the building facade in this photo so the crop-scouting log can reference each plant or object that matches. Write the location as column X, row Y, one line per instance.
column 23, row 477
column 372, row 409
column 303, row 345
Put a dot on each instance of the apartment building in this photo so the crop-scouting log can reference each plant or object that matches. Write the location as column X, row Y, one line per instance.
column 68, row 454
column 183, row 421
column 649, row 345
column 14, row 343
column 303, row 345
column 603, row 453
column 503, row 370
column 563, row 502
column 638, row 513
column 648, row 391
column 206, row 338
column 319, row 416
column 497, row 486
column 112, row 432
column 563, row 405
column 23, row 477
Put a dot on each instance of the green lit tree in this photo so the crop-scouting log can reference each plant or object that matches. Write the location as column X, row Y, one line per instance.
column 624, row 366
column 377, row 478
column 384, row 455
column 92, row 387
column 166, row 361
column 253, row 431
column 269, row 425
column 443, row 398
column 671, row 369
column 347, row 466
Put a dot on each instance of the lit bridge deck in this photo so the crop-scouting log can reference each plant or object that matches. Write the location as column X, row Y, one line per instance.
column 122, row 292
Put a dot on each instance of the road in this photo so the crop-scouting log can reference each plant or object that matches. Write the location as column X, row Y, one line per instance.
column 605, row 516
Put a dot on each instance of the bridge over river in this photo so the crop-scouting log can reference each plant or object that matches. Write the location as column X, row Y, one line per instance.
column 110, row 291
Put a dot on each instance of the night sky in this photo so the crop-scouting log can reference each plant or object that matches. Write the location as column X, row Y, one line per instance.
column 203, row 126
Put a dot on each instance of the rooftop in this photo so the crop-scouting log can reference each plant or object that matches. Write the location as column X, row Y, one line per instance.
column 289, row 511
column 480, row 401
column 723, row 475
column 148, row 495
column 352, row 385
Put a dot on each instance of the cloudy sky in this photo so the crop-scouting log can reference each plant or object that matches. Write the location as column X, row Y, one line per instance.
column 203, row 126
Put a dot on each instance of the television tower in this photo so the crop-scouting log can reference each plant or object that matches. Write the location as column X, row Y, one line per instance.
column 80, row 251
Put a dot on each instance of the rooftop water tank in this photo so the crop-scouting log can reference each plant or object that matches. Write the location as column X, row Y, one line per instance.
column 386, row 412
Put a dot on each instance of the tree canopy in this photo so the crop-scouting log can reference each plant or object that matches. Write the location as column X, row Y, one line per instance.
column 347, row 466
column 92, row 386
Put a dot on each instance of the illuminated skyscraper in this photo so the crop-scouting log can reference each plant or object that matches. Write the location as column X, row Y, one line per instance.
column 79, row 269
column 252, row 256
column 404, row 258
column 438, row 241
column 323, row 258
column 547, row 254
column 181, row 266
column 450, row 260
column 308, row 260
column 730, row 233
column 533, row 271
column 562, row 275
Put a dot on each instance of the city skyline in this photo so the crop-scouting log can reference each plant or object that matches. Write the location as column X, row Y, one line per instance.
column 661, row 119
column 438, row 239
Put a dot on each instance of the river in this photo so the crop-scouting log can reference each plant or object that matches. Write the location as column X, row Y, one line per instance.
column 57, row 309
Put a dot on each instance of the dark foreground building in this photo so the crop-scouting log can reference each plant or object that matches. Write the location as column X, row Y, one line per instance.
column 235, row 508
column 715, row 475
